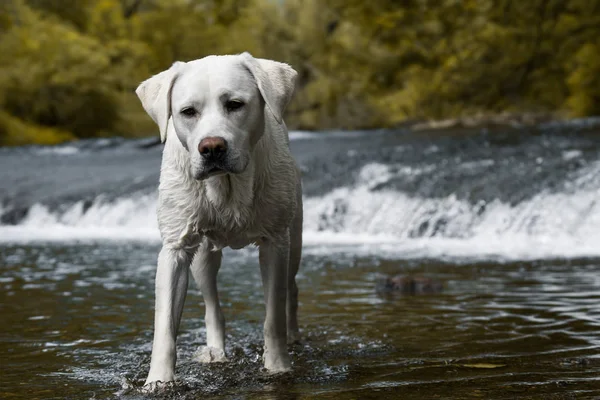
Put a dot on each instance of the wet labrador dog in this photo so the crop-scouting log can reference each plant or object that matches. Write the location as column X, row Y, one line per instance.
column 227, row 179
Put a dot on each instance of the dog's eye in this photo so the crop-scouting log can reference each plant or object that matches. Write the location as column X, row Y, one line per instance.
column 188, row 112
column 233, row 105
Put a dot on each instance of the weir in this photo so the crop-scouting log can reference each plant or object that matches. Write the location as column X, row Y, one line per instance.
column 508, row 195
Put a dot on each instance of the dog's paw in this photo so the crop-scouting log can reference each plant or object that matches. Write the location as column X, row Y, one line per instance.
column 277, row 369
column 277, row 364
column 207, row 355
column 157, row 387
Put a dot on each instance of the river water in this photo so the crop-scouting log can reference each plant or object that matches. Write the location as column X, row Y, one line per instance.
column 508, row 221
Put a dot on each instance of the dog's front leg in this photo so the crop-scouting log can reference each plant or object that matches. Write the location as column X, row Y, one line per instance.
column 171, row 288
column 204, row 270
column 274, row 258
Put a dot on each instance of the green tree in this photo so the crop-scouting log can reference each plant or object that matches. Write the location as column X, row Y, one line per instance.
column 55, row 76
column 70, row 68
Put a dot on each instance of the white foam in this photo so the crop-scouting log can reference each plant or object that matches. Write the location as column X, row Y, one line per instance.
column 137, row 212
column 517, row 247
column 62, row 233
column 59, row 150
column 299, row 135
column 131, row 218
column 359, row 220
column 571, row 154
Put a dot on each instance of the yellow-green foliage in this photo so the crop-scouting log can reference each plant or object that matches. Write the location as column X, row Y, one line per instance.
column 72, row 65
column 14, row 132
column 54, row 75
column 584, row 80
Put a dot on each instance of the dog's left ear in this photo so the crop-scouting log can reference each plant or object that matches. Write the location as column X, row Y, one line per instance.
column 155, row 95
column 276, row 82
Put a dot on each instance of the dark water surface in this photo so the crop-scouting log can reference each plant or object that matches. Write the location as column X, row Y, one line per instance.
column 77, row 324
column 508, row 221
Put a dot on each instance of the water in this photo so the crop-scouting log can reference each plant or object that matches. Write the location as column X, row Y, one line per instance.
column 509, row 222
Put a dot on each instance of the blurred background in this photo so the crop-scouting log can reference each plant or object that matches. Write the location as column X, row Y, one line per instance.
column 450, row 157
column 68, row 68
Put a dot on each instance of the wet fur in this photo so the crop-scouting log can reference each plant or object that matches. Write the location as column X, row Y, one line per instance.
column 259, row 202
column 198, row 217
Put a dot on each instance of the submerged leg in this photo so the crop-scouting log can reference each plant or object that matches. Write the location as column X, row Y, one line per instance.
column 205, row 267
column 171, row 287
column 274, row 260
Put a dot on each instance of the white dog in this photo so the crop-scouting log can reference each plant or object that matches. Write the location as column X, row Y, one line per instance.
column 227, row 179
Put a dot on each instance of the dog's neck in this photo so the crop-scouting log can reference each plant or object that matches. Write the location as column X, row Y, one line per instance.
column 231, row 189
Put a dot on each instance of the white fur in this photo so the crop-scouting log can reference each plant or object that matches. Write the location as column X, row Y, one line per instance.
column 255, row 199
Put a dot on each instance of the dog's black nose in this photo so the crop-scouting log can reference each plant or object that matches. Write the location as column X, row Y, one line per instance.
column 212, row 148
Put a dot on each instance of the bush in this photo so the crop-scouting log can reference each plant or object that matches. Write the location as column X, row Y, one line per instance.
column 55, row 76
column 584, row 81
column 14, row 132
column 73, row 65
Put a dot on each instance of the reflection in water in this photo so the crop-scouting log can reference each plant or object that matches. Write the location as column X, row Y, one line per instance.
column 77, row 323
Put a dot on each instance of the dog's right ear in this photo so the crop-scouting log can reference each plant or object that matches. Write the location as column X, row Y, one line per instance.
column 155, row 95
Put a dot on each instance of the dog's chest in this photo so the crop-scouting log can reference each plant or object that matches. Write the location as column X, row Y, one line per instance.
column 235, row 240
column 223, row 211
column 227, row 224
column 220, row 228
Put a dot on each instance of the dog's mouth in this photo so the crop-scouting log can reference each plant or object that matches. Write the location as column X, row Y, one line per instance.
column 211, row 170
column 216, row 170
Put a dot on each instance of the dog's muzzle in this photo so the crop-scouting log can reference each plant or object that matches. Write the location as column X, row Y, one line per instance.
column 214, row 153
column 213, row 149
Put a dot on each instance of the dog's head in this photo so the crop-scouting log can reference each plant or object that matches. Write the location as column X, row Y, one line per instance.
column 217, row 107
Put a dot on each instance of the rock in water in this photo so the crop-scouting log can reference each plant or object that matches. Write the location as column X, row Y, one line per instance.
column 405, row 284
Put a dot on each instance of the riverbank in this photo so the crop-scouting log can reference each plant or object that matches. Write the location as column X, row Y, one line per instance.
column 456, row 126
column 500, row 121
